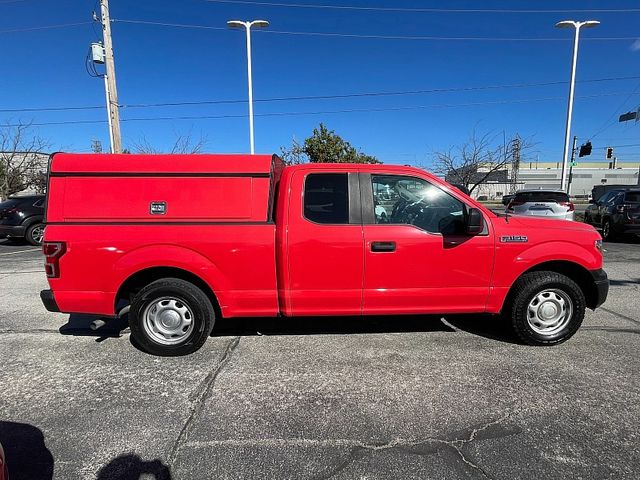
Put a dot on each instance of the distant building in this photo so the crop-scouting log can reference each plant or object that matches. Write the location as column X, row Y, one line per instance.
column 539, row 175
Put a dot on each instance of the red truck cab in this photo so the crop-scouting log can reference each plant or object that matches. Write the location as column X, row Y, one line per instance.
column 179, row 240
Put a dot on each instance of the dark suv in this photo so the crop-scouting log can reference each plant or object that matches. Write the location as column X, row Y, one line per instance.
column 616, row 212
column 22, row 217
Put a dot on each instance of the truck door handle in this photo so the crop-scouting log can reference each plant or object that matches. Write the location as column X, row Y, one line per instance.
column 383, row 246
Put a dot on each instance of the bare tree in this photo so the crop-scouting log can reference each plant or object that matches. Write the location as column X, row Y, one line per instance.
column 23, row 159
column 183, row 144
column 478, row 159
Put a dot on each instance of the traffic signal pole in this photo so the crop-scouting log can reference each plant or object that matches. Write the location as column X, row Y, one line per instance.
column 573, row 158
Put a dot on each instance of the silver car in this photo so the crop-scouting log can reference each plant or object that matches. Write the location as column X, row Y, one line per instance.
column 542, row 203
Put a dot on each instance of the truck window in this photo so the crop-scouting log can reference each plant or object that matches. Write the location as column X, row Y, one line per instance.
column 413, row 201
column 326, row 198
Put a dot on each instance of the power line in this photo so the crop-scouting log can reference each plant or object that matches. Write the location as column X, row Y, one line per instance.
column 619, row 146
column 611, row 120
column 382, row 37
column 45, row 27
column 324, row 112
column 320, row 97
column 418, row 10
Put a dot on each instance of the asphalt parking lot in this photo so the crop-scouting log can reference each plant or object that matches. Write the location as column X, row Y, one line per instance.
column 393, row 397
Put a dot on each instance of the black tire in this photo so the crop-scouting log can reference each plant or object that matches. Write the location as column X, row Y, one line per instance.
column 185, row 294
column 608, row 235
column 34, row 234
column 526, row 289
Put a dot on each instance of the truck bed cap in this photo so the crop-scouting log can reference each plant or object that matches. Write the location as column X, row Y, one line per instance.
column 237, row 164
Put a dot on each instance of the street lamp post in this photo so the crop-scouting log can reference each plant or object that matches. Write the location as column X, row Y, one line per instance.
column 247, row 26
column 567, row 134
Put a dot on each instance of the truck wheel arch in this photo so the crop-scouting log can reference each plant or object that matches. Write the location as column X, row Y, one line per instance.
column 572, row 270
column 144, row 277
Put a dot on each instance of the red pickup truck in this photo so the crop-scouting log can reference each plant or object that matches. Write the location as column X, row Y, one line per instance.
column 180, row 240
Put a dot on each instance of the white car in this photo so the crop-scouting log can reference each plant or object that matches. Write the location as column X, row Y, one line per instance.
column 542, row 203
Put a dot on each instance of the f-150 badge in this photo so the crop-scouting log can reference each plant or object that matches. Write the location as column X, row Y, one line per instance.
column 514, row 239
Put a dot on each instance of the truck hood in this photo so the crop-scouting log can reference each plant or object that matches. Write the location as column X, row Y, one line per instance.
column 550, row 224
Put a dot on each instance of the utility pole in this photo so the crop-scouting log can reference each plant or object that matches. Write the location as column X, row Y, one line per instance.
column 515, row 163
column 573, row 159
column 110, row 80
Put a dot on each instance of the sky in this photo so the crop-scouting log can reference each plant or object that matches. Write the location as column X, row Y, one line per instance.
column 502, row 69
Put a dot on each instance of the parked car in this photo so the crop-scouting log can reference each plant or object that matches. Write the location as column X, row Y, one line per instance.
column 4, row 471
column 599, row 190
column 22, row 217
column 542, row 203
column 616, row 212
column 180, row 240
column 506, row 199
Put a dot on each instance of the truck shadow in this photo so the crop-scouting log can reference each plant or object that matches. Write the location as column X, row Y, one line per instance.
column 328, row 325
column 79, row 325
column 482, row 325
column 26, row 453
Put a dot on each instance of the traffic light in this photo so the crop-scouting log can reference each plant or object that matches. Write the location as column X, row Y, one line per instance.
column 609, row 153
column 585, row 149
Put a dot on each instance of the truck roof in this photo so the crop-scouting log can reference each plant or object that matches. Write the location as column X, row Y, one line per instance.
column 237, row 164
column 363, row 167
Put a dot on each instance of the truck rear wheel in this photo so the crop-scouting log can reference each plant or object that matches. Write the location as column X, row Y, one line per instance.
column 546, row 308
column 171, row 317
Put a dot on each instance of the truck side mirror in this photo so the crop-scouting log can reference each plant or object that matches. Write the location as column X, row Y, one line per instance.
column 475, row 222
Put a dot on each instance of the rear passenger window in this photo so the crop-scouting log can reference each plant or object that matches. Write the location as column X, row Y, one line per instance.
column 326, row 198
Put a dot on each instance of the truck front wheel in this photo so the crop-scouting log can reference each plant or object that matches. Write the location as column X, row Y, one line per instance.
column 171, row 317
column 546, row 308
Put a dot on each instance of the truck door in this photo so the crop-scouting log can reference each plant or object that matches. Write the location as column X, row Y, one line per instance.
column 418, row 258
column 324, row 244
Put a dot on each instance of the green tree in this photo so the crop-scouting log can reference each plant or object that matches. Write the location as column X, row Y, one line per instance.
column 325, row 146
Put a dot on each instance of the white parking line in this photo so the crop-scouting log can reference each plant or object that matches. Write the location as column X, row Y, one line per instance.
column 21, row 251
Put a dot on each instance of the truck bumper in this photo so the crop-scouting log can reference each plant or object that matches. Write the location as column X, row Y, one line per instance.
column 601, row 282
column 49, row 301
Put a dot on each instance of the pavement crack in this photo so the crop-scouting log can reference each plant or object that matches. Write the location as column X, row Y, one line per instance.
column 424, row 446
column 620, row 315
column 11, row 331
column 202, row 393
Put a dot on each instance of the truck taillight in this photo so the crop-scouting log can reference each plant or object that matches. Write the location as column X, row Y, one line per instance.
column 571, row 206
column 52, row 253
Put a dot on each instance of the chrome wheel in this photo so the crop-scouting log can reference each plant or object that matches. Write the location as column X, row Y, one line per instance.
column 168, row 320
column 606, row 230
column 549, row 311
column 37, row 233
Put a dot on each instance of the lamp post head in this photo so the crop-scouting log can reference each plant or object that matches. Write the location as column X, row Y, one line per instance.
column 574, row 24
column 260, row 24
column 241, row 24
column 566, row 24
column 590, row 23
column 236, row 24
